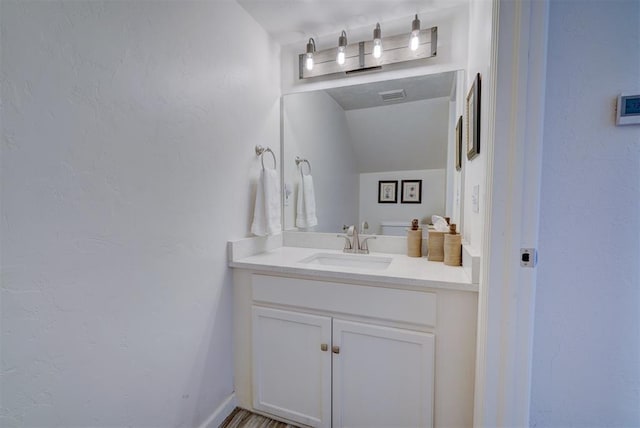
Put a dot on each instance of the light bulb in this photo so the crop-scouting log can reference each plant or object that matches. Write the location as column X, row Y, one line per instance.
column 415, row 32
column 415, row 41
column 309, row 61
column 377, row 41
column 341, row 56
column 377, row 48
column 311, row 48
column 342, row 47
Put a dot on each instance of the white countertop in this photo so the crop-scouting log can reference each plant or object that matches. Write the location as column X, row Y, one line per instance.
column 404, row 271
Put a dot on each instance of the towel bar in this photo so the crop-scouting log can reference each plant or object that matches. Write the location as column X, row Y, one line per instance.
column 299, row 160
column 260, row 152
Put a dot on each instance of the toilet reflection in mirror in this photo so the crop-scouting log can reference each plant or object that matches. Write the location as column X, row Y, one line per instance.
column 357, row 136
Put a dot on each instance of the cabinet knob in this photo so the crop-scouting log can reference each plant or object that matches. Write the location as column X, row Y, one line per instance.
column 324, row 347
column 335, row 349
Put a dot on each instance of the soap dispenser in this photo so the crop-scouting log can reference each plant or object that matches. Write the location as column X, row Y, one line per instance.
column 452, row 247
column 414, row 239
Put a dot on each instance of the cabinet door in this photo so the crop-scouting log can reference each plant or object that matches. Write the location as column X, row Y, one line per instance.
column 382, row 377
column 291, row 367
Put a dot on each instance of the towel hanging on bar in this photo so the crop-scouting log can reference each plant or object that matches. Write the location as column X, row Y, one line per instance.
column 267, row 212
column 306, row 206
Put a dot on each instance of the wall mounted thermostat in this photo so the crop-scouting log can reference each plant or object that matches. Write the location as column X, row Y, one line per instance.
column 628, row 109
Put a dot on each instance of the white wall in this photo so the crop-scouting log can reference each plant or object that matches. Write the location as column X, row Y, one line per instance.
column 315, row 128
column 127, row 162
column 433, row 183
column 586, row 357
column 394, row 137
column 480, row 17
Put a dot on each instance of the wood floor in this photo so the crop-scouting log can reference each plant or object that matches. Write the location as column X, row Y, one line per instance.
column 241, row 418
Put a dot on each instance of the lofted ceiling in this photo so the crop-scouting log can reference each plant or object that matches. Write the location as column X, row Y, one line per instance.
column 290, row 21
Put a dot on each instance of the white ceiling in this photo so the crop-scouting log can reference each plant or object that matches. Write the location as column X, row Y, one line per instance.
column 416, row 88
column 289, row 21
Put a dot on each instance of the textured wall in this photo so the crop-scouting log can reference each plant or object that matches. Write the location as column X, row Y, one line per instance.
column 127, row 157
column 586, row 356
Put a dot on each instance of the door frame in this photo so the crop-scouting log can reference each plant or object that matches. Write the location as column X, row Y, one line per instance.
column 514, row 156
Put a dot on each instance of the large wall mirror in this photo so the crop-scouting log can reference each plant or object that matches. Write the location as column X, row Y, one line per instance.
column 358, row 136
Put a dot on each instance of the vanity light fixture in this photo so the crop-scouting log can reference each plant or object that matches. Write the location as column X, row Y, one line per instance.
column 367, row 55
column 311, row 48
column 377, row 41
column 342, row 46
column 414, row 41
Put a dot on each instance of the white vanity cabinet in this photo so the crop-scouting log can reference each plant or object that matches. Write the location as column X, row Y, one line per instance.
column 323, row 353
column 377, row 375
column 382, row 376
column 292, row 365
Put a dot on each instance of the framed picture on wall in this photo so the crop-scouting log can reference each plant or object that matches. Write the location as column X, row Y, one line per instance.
column 473, row 119
column 411, row 191
column 459, row 144
column 388, row 192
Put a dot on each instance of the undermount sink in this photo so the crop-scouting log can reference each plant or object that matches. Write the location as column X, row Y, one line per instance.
column 348, row 260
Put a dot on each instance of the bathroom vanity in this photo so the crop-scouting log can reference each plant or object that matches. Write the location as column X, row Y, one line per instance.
column 323, row 338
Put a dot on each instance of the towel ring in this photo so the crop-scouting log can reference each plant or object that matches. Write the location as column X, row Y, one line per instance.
column 299, row 160
column 260, row 152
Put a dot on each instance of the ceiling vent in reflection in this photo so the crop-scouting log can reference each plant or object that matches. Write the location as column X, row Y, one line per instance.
column 396, row 94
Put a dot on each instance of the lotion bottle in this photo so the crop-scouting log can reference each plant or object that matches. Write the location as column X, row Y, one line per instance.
column 452, row 247
column 414, row 239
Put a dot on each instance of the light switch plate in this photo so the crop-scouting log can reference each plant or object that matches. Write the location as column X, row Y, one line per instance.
column 475, row 198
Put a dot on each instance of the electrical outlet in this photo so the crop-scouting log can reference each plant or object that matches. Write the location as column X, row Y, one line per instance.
column 287, row 193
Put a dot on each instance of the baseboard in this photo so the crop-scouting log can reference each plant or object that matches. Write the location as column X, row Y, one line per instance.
column 221, row 413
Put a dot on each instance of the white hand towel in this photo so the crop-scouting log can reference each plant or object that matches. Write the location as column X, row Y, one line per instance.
column 266, row 214
column 306, row 212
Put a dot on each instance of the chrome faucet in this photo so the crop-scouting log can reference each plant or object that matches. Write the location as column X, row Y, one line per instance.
column 355, row 239
column 347, row 244
column 354, row 245
column 364, row 247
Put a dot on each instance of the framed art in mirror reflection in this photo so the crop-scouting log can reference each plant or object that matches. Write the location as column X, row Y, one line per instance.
column 388, row 191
